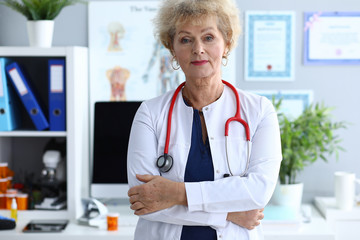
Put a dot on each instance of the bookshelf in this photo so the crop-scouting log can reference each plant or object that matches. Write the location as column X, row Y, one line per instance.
column 24, row 147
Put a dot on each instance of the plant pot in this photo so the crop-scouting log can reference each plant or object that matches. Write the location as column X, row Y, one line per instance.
column 289, row 195
column 40, row 33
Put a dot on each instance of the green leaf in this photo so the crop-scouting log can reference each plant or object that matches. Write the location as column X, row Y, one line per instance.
column 39, row 9
column 307, row 138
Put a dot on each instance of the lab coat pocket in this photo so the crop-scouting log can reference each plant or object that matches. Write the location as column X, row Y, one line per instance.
column 238, row 150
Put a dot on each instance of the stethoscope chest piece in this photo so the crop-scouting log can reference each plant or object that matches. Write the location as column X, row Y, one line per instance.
column 164, row 163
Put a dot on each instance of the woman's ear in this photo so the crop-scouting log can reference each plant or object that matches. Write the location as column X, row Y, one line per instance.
column 226, row 51
column 172, row 51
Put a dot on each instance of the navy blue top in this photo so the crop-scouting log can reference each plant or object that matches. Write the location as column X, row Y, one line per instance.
column 199, row 167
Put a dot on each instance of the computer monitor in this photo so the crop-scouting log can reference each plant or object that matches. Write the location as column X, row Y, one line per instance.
column 112, row 124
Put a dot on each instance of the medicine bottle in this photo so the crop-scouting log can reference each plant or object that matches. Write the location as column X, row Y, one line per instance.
column 13, row 211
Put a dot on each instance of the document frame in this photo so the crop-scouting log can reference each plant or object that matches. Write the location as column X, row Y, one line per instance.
column 269, row 45
column 331, row 38
column 293, row 101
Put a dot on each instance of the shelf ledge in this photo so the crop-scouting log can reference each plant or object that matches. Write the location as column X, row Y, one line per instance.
column 33, row 134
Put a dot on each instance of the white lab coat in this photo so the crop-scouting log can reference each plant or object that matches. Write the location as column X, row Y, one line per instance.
column 208, row 202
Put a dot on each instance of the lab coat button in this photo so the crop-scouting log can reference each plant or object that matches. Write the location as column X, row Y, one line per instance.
column 217, row 171
column 211, row 138
column 220, row 236
column 206, row 108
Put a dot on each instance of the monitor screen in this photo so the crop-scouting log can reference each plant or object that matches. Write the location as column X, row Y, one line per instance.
column 112, row 125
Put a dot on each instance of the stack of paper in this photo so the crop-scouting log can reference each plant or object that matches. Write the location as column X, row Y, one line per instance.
column 281, row 217
column 327, row 207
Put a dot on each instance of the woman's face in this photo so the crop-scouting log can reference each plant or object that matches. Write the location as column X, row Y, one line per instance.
column 199, row 49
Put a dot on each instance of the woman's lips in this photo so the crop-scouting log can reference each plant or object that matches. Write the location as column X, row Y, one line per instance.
column 198, row 63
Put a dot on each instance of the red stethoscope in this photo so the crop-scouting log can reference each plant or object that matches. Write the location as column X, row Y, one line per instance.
column 165, row 161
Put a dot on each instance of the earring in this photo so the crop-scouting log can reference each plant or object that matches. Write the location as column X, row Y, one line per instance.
column 226, row 60
column 177, row 64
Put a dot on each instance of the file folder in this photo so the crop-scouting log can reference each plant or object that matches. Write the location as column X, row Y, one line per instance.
column 27, row 96
column 57, row 98
column 9, row 112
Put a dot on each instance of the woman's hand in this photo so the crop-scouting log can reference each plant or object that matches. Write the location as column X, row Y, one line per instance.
column 155, row 194
column 249, row 219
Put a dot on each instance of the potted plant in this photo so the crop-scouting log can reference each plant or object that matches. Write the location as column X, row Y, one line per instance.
column 304, row 140
column 40, row 15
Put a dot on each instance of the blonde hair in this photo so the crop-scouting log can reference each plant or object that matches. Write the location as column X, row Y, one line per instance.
column 174, row 12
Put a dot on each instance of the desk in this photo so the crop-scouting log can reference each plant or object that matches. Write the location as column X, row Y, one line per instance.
column 74, row 231
column 317, row 229
column 346, row 224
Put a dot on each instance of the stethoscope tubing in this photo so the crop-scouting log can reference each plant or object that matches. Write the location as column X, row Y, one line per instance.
column 247, row 158
column 237, row 118
column 168, row 130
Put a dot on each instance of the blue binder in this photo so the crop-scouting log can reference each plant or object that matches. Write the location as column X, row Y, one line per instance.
column 27, row 97
column 9, row 114
column 57, row 98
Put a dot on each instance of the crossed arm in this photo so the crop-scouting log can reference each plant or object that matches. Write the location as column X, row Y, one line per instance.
column 158, row 193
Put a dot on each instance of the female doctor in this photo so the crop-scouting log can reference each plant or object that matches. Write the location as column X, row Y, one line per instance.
column 203, row 160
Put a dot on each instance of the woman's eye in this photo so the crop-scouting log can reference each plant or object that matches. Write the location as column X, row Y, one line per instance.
column 185, row 40
column 209, row 38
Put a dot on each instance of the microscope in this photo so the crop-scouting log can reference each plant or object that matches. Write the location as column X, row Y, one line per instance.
column 52, row 182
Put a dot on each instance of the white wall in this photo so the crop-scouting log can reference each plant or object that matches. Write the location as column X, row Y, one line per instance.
column 337, row 86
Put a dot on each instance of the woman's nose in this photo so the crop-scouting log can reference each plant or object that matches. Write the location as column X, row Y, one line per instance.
column 198, row 48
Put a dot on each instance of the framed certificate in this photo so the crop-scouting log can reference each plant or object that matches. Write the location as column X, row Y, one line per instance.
column 332, row 38
column 293, row 101
column 269, row 46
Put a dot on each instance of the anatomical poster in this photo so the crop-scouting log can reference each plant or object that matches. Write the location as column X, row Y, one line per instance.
column 127, row 63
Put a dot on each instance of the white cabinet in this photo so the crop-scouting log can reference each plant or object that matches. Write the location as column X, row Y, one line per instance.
column 24, row 147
